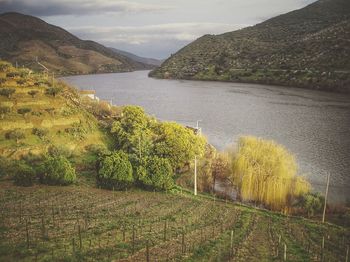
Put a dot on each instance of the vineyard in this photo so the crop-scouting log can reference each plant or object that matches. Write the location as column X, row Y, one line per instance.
column 81, row 223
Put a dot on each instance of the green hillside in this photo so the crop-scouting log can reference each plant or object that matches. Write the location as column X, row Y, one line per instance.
column 304, row 48
column 26, row 38
column 42, row 118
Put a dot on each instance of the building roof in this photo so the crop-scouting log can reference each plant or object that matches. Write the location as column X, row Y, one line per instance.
column 87, row 92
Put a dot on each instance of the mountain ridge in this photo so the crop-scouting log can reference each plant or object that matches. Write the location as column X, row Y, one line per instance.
column 25, row 38
column 307, row 48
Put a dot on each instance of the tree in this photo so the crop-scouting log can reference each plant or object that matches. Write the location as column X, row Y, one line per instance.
column 265, row 172
column 4, row 110
column 7, row 92
column 15, row 135
column 128, row 130
column 57, row 170
column 24, row 111
column 115, row 171
column 33, row 93
column 53, row 91
column 177, row 144
column 156, row 174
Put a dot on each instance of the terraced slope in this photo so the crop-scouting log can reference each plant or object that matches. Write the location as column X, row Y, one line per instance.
column 44, row 119
column 84, row 223
column 304, row 48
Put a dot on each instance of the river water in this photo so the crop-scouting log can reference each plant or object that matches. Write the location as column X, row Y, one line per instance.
column 313, row 125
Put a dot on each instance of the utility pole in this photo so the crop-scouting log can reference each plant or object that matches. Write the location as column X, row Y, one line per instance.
column 199, row 130
column 140, row 147
column 53, row 77
column 195, row 175
column 325, row 199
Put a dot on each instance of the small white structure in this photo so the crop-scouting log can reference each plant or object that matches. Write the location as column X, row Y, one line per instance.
column 89, row 93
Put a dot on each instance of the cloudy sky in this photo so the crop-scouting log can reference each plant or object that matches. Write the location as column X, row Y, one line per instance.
column 151, row 28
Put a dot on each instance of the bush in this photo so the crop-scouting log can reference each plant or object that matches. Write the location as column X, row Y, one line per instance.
column 57, row 171
column 24, row 111
column 33, row 93
column 40, row 132
column 97, row 149
column 115, row 171
column 311, row 203
column 60, row 150
column 53, row 91
column 4, row 110
column 15, row 135
column 7, row 92
column 24, row 175
column 157, row 174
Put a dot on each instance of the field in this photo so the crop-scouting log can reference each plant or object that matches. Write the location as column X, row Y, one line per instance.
column 83, row 223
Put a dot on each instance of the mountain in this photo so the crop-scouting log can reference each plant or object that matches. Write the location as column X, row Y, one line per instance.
column 25, row 38
column 308, row 48
column 144, row 60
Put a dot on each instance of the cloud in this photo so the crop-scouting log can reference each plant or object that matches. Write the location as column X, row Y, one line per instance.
column 76, row 7
column 144, row 34
column 156, row 40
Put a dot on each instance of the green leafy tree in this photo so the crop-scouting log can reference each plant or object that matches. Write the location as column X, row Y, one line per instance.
column 4, row 110
column 156, row 174
column 178, row 144
column 57, row 171
column 33, row 93
column 132, row 129
column 115, row 171
column 15, row 135
column 7, row 92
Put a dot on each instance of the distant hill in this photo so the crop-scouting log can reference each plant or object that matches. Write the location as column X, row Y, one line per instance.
column 144, row 60
column 309, row 48
column 23, row 38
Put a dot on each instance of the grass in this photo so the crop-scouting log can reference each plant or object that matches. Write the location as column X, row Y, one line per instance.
column 176, row 227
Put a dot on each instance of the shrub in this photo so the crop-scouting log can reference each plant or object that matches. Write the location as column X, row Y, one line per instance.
column 24, row 175
column 24, row 111
column 158, row 174
column 60, row 150
column 97, row 149
column 40, row 132
column 57, row 171
column 7, row 92
column 15, row 135
column 265, row 172
column 53, row 91
column 4, row 110
column 33, row 93
column 12, row 74
column 115, row 171
column 312, row 203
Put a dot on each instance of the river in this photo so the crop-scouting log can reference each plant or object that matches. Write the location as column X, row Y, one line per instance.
column 313, row 125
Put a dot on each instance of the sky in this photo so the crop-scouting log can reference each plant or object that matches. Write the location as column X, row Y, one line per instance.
column 151, row 28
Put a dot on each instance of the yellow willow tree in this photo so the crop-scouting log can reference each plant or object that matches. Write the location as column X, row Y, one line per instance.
column 265, row 172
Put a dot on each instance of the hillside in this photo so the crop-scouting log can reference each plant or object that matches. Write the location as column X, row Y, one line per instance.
column 25, row 38
column 304, row 48
column 145, row 60
column 39, row 114
column 81, row 223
